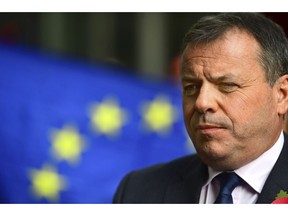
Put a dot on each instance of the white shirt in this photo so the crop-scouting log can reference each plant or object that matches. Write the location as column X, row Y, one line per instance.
column 254, row 173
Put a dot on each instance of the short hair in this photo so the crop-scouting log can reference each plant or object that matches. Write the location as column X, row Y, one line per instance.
column 272, row 40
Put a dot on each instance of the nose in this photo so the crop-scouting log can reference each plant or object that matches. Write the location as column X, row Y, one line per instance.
column 206, row 100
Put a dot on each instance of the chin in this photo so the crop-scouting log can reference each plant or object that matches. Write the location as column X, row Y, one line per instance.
column 212, row 149
column 221, row 163
column 217, row 159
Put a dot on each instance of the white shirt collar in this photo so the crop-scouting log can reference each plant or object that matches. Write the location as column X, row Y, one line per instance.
column 256, row 172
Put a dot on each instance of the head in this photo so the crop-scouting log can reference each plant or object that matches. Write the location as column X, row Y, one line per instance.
column 235, row 87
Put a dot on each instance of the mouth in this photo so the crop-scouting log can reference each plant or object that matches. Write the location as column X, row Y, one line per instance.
column 207, row 129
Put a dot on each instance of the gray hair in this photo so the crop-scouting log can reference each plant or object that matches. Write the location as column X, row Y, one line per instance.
column 270, row 36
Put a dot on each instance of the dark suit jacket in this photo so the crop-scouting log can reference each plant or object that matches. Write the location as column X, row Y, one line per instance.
column 180, row 181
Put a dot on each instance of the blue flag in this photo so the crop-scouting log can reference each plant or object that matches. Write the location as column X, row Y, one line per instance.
column 70, row 131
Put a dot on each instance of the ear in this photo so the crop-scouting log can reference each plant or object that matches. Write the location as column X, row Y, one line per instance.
column 282, row 94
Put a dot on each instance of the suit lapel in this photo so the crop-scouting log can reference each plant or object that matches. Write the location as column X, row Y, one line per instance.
column 278, row 178
column 188, row 188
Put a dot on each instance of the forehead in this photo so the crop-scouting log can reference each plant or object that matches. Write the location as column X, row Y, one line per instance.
column 233, row 52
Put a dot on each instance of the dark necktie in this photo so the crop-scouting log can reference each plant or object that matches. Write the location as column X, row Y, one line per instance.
column 228, row 181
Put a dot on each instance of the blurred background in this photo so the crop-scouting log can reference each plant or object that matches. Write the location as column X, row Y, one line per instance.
column 145, row 43
column 86, row 98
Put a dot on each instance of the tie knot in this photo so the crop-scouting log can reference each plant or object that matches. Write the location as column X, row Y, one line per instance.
column 228, row 182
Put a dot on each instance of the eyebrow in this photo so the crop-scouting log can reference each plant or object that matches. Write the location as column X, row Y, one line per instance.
column 224, row 78
column 213, row 79
column 189, row 79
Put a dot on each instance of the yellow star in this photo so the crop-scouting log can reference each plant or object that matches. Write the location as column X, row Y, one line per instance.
column 107, row 117
column 46, row 183
column 67, row 144
column 159, row 115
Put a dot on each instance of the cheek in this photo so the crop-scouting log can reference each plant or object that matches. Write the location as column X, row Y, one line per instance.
column 238, row 109
column 245, row 112
column 188, row 110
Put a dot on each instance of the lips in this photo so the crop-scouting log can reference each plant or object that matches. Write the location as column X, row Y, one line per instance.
column 209, row 128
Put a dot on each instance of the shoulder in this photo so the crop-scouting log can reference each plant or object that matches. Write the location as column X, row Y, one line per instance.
column 152, row 181
column 174, row 169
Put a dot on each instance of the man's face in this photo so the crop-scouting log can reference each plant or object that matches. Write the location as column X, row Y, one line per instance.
column 230, row 110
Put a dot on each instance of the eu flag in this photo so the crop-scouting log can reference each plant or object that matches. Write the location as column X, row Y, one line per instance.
column 70, row 131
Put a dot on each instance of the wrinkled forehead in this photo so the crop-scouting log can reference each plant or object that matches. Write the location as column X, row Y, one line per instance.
column 234, row 44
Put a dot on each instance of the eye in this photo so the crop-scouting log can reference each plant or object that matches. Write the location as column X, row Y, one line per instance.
column 190, row 90
column 228, row 87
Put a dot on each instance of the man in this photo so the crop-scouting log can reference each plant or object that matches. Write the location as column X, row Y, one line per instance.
column 235, row 95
